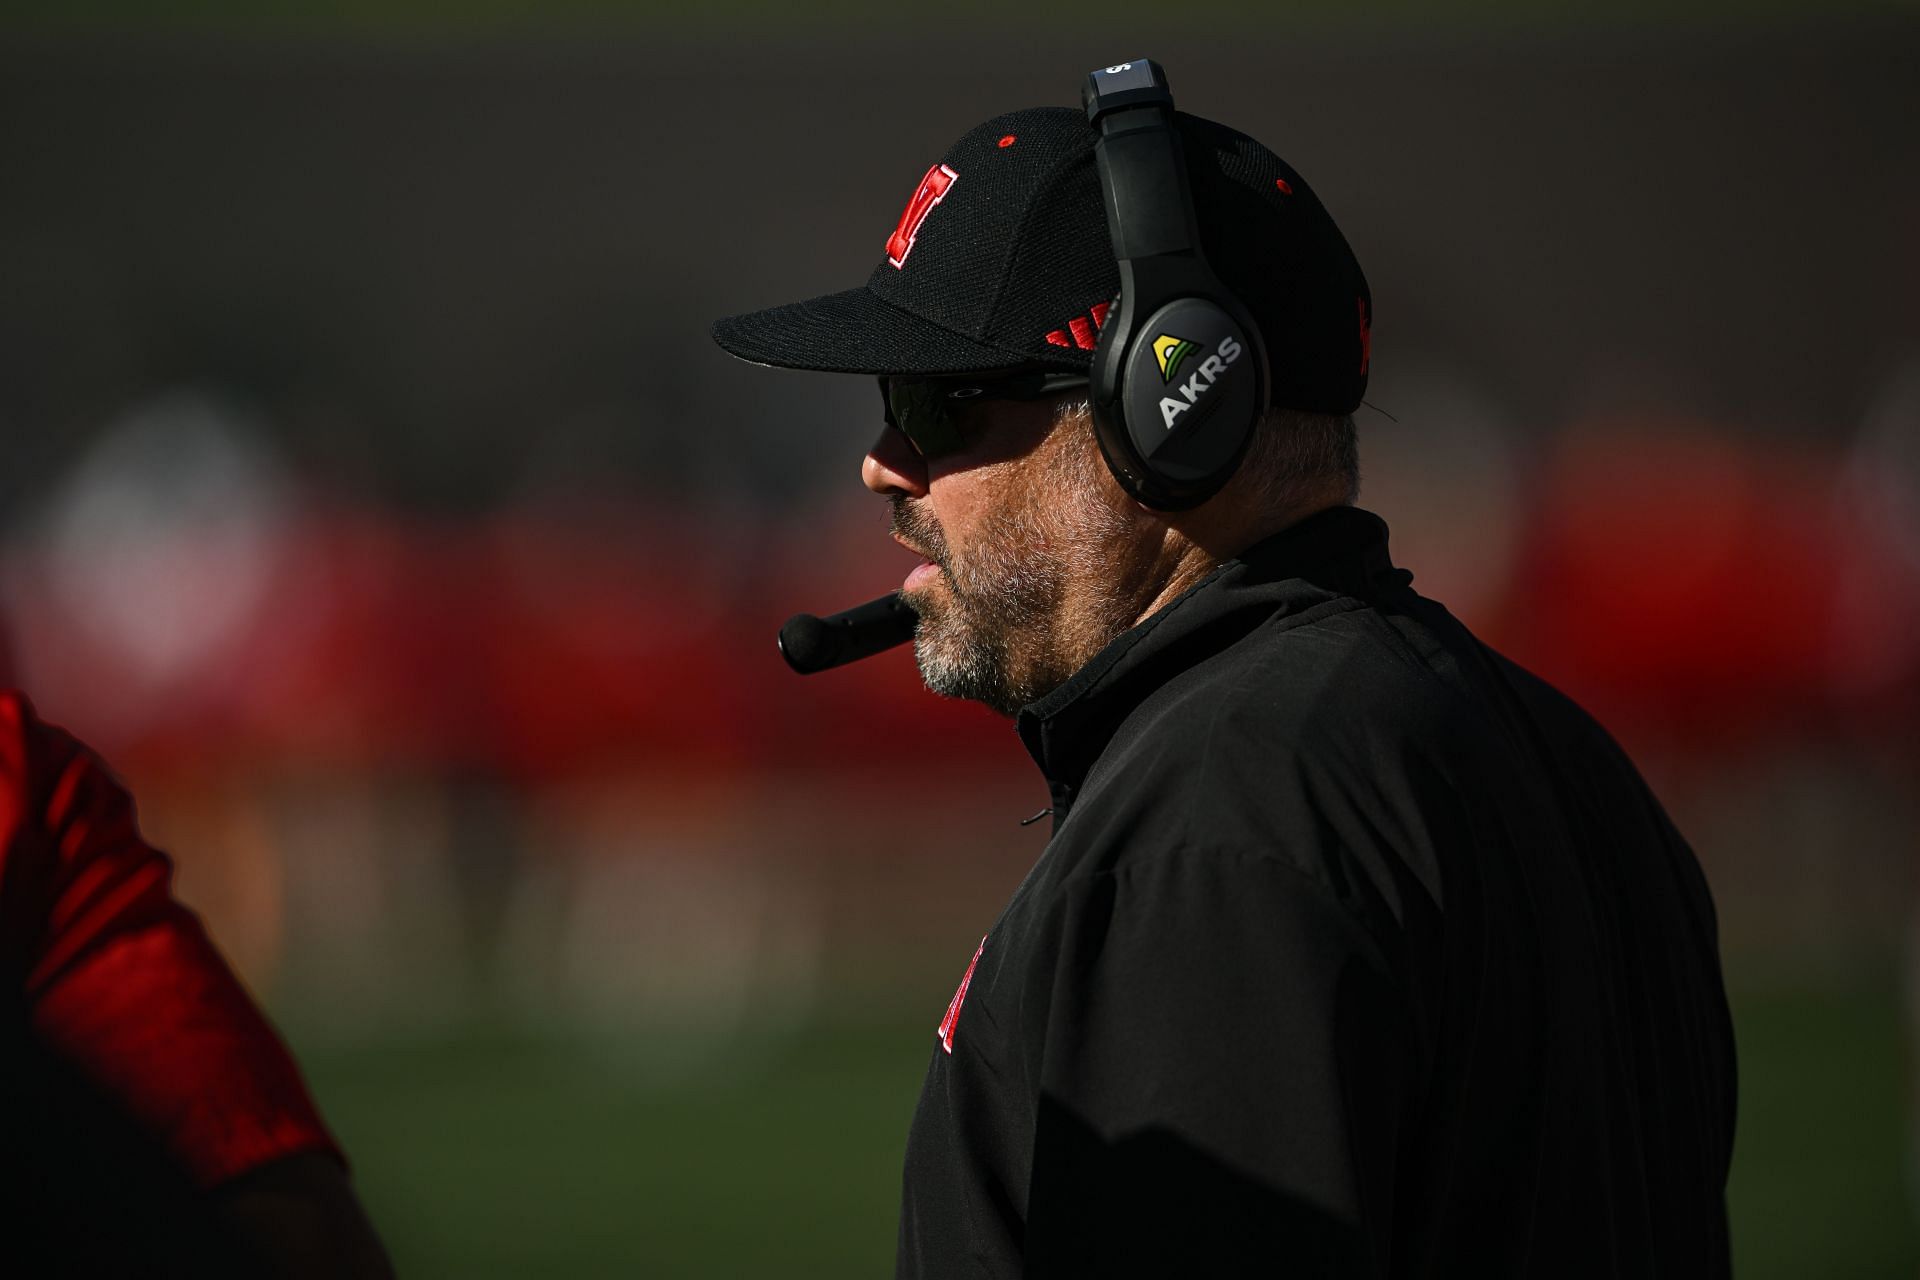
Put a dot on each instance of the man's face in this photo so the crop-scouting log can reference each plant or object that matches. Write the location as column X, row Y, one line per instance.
column 1020, row 528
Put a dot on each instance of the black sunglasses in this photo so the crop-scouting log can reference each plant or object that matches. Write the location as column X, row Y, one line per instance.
column 925, row 410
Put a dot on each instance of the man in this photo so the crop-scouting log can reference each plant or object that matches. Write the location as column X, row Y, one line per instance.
column 1356, row 950
column 152, row 1123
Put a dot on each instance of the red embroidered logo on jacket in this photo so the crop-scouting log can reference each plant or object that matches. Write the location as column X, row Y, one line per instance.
column 932, row 190
column 1366, row 334
column 959, row 998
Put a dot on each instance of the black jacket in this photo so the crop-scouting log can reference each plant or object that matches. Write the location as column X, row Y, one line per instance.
column 1357, row 951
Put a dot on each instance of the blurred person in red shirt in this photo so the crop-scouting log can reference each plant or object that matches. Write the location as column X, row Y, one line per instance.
column 153, row 1122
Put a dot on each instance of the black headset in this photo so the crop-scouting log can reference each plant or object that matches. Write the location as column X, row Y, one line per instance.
column 1180, row 372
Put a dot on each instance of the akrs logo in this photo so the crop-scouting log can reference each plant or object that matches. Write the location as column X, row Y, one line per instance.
column 1170, row 351
column 1202, row 379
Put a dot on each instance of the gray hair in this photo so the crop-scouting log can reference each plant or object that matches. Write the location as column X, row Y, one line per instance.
column 1294, row 455
column 1297, row 455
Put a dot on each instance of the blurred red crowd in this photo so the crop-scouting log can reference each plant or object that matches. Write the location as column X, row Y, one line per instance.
column 1677, row 582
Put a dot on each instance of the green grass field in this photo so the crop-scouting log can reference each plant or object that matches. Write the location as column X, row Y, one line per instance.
column 1821, row 1177
column 503, row 1157
column 524, row 1159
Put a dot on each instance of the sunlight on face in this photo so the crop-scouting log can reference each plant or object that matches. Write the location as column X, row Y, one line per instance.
column 1024, row 544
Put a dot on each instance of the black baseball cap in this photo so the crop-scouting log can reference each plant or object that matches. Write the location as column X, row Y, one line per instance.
column 1002, row 260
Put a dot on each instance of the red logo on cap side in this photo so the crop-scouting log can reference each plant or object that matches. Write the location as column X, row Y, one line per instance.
column 1079, row 333
column 932, row 190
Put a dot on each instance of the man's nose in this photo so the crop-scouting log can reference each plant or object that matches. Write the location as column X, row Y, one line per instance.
column 894, row 466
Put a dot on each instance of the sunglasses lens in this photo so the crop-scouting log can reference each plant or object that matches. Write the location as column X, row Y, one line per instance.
column 921, row 414
column 925, row 410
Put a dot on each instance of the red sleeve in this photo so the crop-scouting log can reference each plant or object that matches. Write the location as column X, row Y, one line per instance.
column 120, row 980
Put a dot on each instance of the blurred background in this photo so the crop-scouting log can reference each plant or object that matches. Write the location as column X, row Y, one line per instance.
column 374, row 499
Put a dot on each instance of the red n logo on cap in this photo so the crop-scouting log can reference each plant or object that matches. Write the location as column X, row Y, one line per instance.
column 931, row 191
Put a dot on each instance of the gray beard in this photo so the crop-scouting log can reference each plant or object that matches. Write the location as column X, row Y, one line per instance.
column 999, row 635
column 959, row 662
column 984, row 638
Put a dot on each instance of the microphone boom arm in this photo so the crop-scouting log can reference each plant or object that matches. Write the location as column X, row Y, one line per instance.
column 811, row 644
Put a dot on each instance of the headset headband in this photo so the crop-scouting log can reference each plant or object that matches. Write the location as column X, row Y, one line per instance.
column 1173, row 428
column 1143, row 174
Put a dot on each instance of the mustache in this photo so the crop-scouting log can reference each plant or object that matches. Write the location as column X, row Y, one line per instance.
column 917, row 527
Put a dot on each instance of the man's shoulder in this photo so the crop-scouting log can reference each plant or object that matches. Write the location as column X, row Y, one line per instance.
column 1262, row 748
column 1367, row 716
column 1313, row 688
column 1357, row 727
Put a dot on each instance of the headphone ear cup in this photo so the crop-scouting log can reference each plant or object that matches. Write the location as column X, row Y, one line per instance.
column 1106, row 402
column 1185, row 396
column 1128, row 469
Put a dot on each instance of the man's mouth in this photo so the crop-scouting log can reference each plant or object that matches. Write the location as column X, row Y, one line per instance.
column 924, row 572
column 909, row 546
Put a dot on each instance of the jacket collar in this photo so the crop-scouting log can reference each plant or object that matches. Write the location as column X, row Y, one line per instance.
column 1338, row 552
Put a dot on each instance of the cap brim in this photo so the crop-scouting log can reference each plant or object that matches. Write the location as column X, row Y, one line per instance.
column 855, row 331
